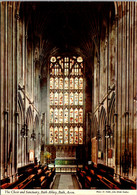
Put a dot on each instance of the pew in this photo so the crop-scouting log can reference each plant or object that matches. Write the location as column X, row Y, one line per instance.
column 97, row 177
column 4, row 186
column 27, row 183
column 44, row 182
column 105, row 171
column 127, row 184
column 91, row 180
column 4, row 182
column 22, row 170
column 107, row 184
column 32, row 177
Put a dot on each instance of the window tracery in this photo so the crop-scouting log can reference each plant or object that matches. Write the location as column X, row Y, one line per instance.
column 66, row 100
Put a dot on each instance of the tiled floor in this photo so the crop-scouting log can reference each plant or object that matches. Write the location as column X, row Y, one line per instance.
column 65, row 181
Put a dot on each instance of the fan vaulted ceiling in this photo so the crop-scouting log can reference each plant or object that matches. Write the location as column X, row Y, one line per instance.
column 70, row 27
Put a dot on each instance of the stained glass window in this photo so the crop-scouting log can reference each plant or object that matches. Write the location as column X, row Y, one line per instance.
column 66, row 83
column 60, row 115
column 71, row 115
column 66, row 135
column 76, row 83
column 66, row 115
column 56, row 83
column 71, row 83
column 61, row 83
column 76, row 135
column 51, row 83
column 66, row 100
column 71, row 99
column 76, row 98
column 80, row 98
column 56, row 98
column 80, row 83
column 51, row 98
column 71, row 135
column 56, row 115
column 51, row 115
column 51, row 135
column 56, row 135
column 76, row 116
column 61, row 98
column 80, row 135
column 80, row 115
column 60, row 135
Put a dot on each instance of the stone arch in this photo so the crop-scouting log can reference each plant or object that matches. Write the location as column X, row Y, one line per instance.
column 29, row 116
column 37, row 132
column 111, row 108
column 36, row 121
column 111, row 123
column 20, row 156
column 102, row 131
column 20, row 108
column 116, row 7
column 29, row 123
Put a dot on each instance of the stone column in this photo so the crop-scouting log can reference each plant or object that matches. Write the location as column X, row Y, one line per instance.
column 5, row 90
column 2, row 26
column 134, row 88
column 9, row 78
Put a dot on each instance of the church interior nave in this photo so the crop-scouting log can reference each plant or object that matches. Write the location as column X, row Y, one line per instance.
column 68, row 95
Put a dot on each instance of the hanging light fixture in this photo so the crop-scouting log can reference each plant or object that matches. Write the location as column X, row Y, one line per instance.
column 33, row 135
column 24, row 131
column 109, row 132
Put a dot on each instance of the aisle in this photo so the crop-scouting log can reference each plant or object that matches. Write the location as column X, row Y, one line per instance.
column 65, row 181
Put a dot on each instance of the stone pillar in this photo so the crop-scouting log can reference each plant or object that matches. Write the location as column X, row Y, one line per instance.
column 134, row 114
column 125, row 72
column 2, row 26
column 10, row 7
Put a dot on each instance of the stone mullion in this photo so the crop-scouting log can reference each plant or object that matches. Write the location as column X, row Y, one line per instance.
column 98, row 75
column 47, row 125
column 116, row 89
column 127, row 72
column 27, row 90
column 108, row 83
column 21, row 81
column 16, row 83
column 135, row 86
column 119, row 93
column 131, row 88
column 124, row 62
column 9, row 83
column 133, row 96
column 32, row 68
column 122, row 85
column 23, row 84
column 2, row 88
column 128, row 77
column 14, row 62
column 25, row 79
column 5, row 90
column 98, row 96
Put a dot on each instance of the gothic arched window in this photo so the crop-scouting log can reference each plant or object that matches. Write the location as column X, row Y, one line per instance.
column 66, row 100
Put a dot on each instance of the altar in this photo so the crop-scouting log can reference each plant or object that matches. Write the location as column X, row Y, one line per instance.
column 66, row 159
